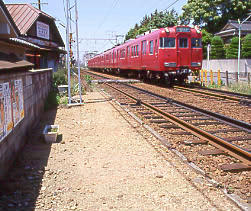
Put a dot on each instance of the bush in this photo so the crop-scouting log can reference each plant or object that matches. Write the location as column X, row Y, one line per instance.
column 52, row 100
column 246, row 46
column 60, row 77
column 232, row 50
column 217, row 48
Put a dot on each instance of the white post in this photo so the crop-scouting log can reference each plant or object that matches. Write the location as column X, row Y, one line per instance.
column 208, row 56
column 239, row 51
column 68, row 52
column 79, row 79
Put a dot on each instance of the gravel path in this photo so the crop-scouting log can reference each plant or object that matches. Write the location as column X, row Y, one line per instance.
column 105, row 161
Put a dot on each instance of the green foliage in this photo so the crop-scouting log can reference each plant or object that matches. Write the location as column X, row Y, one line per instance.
column 155, row 20
column 60, row 77
column 232, row 50
column 217, row 48
column 214, row 14
column 246, row 46
column 52, row 100
column 206, row 39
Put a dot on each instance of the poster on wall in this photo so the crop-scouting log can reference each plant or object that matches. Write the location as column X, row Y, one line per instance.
column 1, row 112
column 7, row 108
column 17, row 101
column 6, row 123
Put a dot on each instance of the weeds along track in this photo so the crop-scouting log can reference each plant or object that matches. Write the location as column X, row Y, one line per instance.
column 210, row 100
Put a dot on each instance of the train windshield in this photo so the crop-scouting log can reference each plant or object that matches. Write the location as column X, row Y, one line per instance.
column 196, row 43
column 167, row 42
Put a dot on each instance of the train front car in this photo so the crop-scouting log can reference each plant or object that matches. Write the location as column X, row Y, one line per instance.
column 180, row 52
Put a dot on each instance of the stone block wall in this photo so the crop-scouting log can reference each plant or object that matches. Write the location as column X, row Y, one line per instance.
column 36, row 86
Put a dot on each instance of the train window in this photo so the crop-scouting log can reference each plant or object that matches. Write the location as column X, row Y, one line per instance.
column 196, row 43
column 151, row 47
column 137, row 50
column 167, row 42
column 128, row 51
column 183, row 43
column 143, row 47
column 132, row 51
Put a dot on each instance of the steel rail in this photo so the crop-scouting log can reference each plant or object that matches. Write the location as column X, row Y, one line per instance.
column 229, row 148
column 209, row 93
column 234, row 122
column 220, row 91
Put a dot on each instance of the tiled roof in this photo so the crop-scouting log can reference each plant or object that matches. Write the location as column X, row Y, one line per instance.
column 24, row 15
column 246, row 26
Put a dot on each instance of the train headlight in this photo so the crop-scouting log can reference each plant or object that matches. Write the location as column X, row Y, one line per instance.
column 196, row 64
column 169, row 64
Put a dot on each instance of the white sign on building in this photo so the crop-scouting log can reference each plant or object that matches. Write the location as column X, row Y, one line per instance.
column 43, row 30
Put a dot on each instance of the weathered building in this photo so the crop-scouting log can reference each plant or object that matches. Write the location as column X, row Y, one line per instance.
column 38, row 28
column 12, row 50
column 231, row 29
column 22, row 91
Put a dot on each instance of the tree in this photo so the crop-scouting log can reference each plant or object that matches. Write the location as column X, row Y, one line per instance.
column 217, row 48
column 206, row 39
column 155, row 20
column 246, row 46
column 232, row 50
column 214, row 14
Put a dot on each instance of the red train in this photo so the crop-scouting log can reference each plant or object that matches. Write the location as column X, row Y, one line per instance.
column 164, row 54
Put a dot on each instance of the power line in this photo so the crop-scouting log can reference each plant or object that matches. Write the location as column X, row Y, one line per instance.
column 170, row 5
column 114, row 4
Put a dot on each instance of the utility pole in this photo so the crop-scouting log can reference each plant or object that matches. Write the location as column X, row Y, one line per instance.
column 39, row 4
column 69, row 50
column 79, row 79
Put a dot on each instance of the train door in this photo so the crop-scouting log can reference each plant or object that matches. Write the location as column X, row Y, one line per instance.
column 183, row 51
column 143, row 54
column 156, row 54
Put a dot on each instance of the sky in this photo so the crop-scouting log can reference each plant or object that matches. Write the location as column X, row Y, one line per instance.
column 102, row 19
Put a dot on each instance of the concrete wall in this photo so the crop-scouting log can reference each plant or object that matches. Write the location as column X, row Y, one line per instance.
column 230, row 65
column 36, row 86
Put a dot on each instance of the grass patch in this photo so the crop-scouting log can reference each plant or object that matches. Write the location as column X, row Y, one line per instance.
column 242, row 88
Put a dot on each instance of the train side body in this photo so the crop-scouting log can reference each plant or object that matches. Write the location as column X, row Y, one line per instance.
column 166, row 51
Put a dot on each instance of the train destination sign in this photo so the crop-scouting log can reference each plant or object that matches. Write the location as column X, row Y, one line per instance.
column 183, row 29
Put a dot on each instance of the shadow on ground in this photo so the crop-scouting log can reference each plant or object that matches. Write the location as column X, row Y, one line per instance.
column 22, row 185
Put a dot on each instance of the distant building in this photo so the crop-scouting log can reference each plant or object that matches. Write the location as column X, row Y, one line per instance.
column 39, row 28
column 12, row 49
column 231, row 29
column 87, row 56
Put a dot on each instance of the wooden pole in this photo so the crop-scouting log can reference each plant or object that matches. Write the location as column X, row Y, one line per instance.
column 39, row 5
column 227, row 80
column 219, row 78
column 211, row 77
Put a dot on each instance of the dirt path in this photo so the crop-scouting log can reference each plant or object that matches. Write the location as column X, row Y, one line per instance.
column 106, row 161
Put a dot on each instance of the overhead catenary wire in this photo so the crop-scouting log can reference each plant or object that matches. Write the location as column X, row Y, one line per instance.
column 114, row 4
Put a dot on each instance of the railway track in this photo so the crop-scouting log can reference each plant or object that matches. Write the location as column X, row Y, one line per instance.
column 236, row 97
column 237, row 106
column 233, row 139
